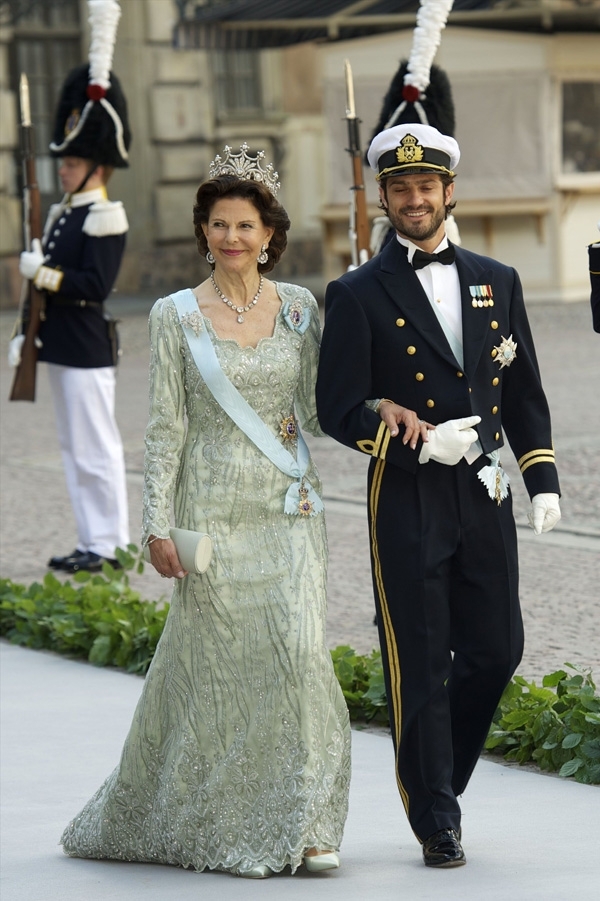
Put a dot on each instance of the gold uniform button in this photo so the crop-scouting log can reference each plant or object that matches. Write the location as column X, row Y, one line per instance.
column 495, row 381
column 400, row 322
column 493, row 353
column 430, row 403
column 459, row 374
column 497, row 435
column 493, row 324
column 411, row 350
column 494, row 410
column 419, row 376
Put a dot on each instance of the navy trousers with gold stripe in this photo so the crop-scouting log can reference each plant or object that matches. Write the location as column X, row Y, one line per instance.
column 445, row 574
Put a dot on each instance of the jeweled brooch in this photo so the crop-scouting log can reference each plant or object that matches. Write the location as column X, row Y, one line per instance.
column 288, row 428
column 296, row 313
column 305, row 507
column 506, row 351
column 193, row 321
column 296, row 316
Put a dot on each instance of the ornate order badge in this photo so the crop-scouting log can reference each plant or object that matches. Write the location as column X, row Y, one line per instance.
column 482, row 295
column 305, row 507
column 506, row 351
column 409, row 151
column 494, row 478
column 288, row 428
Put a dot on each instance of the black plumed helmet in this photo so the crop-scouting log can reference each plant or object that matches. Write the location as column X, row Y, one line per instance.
column 92, row 122
column 436, row 103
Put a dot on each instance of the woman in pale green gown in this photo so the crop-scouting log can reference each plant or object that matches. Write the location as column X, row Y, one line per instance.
column 238, row 757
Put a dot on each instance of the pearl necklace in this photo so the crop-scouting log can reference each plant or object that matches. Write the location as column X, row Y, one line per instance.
column 239, row 310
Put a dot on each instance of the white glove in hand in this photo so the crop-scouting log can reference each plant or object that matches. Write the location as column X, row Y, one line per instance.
column 14, row 350
column 450, row 440
column 30, row 261
column 544, row 513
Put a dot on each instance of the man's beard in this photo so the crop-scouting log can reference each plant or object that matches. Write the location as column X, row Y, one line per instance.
column 417, row 231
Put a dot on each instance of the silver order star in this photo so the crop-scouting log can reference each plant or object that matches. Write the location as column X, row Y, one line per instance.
column 193, row 321
column 507, row 351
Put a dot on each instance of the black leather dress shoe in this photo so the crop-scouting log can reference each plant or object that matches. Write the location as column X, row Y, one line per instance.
column 60, row 562
column 91, row 562
column 443, row 849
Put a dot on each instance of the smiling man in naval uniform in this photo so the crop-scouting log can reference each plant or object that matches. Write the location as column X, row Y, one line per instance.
column 443, row 331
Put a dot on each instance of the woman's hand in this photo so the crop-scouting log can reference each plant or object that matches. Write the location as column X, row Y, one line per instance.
column 164, row 559
column 393, row 415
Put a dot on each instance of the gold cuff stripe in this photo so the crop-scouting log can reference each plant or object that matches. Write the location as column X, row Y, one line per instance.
column 367, row 446
column 384, row 445
column 48, row 279
column 392, row 648
column 534, row 453
column 537, row 460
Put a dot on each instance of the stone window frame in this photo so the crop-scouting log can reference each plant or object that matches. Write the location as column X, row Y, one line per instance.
column 580, row 133
column 46, row 44
column 237, row 83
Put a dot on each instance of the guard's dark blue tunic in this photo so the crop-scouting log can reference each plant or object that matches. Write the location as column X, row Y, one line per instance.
column 76, row 334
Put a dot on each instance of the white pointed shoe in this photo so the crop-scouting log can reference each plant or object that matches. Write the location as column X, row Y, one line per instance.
column 260, row 871
column 326, row 860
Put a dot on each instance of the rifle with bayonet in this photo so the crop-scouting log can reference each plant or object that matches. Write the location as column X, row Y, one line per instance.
column 359, row 230
column 31, row 308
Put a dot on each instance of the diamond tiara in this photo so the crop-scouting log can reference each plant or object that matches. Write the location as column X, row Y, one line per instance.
column 245, row 167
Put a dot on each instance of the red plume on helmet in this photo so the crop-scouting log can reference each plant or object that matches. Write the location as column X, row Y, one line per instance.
column 402, row 101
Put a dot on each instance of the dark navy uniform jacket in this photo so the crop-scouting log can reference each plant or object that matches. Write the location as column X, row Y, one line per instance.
column 382, row 339
column 76, row 335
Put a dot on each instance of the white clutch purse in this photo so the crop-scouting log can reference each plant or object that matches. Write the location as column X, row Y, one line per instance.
column 194, row 549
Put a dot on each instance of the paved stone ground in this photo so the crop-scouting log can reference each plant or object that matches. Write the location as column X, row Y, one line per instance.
column 560, row 571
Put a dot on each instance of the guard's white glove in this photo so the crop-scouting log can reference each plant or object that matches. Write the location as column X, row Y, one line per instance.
column 450, row 441
column 544, row 513
column 14, row 350
column 31, row 260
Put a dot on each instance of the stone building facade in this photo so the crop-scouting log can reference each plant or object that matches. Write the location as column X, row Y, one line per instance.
column 529, row 185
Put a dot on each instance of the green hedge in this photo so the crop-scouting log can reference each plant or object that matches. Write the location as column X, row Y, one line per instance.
column 102, row 619
column 96, row 617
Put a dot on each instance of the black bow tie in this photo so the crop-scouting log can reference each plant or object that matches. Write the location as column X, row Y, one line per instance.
column 420, row 258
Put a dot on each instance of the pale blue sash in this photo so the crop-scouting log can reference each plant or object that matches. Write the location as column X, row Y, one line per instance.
column 301, row 498
column 455, row 345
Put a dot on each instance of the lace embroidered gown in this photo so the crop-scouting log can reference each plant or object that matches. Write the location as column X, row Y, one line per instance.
column 239, row 750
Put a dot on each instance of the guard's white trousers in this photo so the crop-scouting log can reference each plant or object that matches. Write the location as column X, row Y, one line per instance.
column 92, row 453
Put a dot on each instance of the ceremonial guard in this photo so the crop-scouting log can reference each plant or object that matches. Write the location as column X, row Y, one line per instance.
column 76, row 267
column 443, row 331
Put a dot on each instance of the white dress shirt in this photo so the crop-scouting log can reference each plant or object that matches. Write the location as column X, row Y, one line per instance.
column 442, row 287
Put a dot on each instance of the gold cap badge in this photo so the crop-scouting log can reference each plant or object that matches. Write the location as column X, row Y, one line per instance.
column 410, row 151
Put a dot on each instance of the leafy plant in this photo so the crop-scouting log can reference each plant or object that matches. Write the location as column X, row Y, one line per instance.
column 99, row 617
column 361, row 680
column 558, row 730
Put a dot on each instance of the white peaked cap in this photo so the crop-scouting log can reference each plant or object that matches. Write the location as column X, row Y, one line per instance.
column 410, row 148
